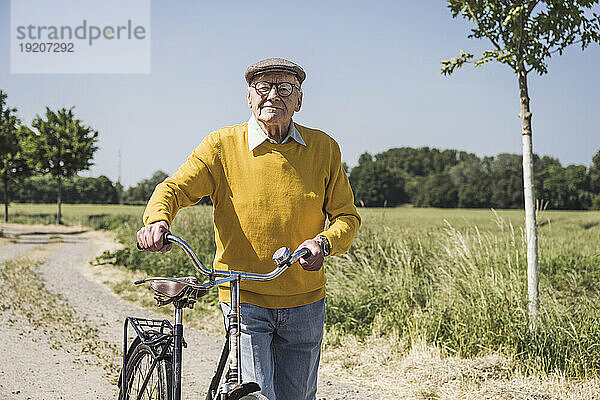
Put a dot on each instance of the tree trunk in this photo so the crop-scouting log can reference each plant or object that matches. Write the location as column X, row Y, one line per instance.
column 530, row 223
column 59, row 201
column 5, row 181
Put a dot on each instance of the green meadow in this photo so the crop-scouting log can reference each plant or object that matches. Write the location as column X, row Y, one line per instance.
column 97, row 216
column 455, row 278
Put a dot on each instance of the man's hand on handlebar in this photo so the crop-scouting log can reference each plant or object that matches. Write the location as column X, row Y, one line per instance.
column 150, row 237
column 315, row 261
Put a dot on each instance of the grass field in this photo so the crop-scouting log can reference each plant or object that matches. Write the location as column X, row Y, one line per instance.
column 92, row 215
column 453, row 279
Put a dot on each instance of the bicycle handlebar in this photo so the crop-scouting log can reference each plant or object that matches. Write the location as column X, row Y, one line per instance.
column 282, row 257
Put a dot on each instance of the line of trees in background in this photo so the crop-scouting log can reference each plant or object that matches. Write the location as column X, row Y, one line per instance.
column 429, row 177
column 83, row 190
column 39, row 164
column 424, row 177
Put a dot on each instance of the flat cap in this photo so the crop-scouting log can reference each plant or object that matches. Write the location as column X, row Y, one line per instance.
column 274, row 64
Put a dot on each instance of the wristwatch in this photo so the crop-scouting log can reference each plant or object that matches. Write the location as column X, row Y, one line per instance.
column 324, row 243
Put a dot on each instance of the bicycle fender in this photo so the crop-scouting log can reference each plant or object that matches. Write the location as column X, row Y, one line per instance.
column 135, row 342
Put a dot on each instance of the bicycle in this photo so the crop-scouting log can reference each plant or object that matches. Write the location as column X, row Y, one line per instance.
column 152, row 363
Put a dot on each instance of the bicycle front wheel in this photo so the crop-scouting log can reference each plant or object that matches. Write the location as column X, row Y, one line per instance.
column 139, row 370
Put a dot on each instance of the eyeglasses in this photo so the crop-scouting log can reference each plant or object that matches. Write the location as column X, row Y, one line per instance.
column 284, row 89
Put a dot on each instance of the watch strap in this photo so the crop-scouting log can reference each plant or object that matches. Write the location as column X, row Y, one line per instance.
column 325, row 246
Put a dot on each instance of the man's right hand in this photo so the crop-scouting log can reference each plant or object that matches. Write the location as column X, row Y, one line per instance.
column 150, row 237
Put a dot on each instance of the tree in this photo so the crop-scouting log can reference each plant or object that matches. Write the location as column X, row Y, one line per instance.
column 62, row 147
column 78, row 189
column 438, row 191
column 374, row 185
column 104, row 191
column 141, row 192
column 567, row 188
column 13, row 160
column 35, row 189
column 595, row 181
column 98, row 190
column 595, row 174
column 542, row 170
column 345, row 167
column 506, row 180
column 472, row 182
column 523, row 35
column 419, row 162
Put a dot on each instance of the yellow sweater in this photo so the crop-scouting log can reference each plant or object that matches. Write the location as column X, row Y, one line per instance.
column 276, row 195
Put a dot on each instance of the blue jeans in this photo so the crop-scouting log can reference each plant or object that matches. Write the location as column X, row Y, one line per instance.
column 281, row 348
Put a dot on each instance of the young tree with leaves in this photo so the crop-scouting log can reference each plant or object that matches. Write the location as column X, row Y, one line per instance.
column 13, row 162
column 62, row 147
column 524, row 35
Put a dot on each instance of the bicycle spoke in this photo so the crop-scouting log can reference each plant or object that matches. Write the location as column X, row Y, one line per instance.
column 150, row 378
column 150, row 395
column 133, row 380
column 140, row 374
column 150, row 386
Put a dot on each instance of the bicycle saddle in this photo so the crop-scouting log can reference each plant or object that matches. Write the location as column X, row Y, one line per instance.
column 172, row 289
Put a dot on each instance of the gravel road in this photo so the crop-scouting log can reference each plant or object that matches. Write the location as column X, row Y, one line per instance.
column 68, row 359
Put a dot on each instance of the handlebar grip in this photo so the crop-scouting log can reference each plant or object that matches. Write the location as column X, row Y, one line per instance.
column 165, row 239
column 308, row 253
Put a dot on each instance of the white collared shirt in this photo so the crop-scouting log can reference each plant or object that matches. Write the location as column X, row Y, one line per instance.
column 256, row 135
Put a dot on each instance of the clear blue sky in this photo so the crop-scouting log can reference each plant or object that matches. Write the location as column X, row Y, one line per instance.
column 373, row 83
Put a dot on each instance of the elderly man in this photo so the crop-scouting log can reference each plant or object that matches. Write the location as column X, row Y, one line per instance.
column 273, row 183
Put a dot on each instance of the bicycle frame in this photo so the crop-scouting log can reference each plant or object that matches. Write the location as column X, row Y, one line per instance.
column 169, row 336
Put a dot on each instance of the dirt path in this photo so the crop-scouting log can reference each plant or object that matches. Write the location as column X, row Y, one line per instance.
column 62, row 328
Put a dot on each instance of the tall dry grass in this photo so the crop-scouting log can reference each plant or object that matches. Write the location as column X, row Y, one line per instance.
column 465, row 291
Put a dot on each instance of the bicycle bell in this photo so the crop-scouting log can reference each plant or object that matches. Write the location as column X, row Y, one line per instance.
column 282, row 255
